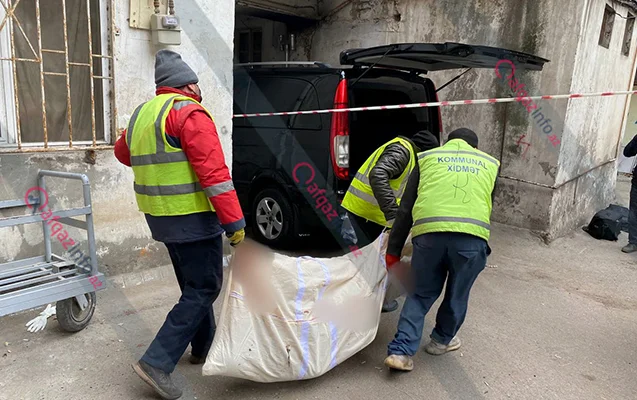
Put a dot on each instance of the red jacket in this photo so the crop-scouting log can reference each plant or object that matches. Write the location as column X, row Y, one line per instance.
column 195, row 133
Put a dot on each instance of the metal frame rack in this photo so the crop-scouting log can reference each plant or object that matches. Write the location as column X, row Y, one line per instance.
column 36, row 281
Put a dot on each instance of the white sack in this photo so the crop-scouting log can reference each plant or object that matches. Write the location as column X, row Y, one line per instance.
column 320, row 312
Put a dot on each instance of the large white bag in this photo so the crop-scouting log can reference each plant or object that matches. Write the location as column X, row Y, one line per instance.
column 316, row 313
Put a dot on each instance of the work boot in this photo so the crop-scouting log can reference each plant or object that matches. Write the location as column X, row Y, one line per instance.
column 399, row 362
column 158, row 380
column 629, row 248
column 196, row 359
column 434, row 348
column 389, row 307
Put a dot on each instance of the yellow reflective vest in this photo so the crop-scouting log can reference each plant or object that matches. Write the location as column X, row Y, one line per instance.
column 454, row 192
column 360, row 200
column 165, row 182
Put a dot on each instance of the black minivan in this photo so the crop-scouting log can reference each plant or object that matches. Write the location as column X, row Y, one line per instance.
column 267, row 149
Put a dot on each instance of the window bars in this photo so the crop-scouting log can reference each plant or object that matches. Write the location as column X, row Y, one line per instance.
column 78, row 53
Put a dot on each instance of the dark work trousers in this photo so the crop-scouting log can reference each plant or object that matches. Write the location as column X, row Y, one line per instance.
column 632, row 213
column 199, row 270
column 455, row 257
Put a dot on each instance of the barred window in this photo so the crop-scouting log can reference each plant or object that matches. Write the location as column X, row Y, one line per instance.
column 56, row 64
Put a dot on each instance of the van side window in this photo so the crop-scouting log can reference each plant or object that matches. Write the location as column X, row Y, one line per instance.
column 274, row 94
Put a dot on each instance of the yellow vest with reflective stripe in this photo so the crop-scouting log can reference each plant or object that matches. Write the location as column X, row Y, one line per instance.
column 360, row 199
column 454, row 192
column 165, row 182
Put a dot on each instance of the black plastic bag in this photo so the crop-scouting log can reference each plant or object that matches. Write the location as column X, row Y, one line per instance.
column 608, row 223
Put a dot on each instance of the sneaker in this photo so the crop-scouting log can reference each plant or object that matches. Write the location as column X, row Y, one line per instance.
column 629, row 248
column 399, row 362
column 436, row 349
column 390, row 307
column 196, row 359
column 158, row 380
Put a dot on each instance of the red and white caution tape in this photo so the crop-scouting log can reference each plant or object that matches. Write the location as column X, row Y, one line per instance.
column 438, row 104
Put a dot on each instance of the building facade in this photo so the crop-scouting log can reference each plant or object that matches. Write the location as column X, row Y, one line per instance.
column 62, row 110
column 545, row 187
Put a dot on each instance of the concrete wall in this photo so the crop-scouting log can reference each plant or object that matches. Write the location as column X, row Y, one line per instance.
column 300, row 8
column 123, row 239
column 593, row 127
column 537, row 27
column 549, row 28
column 271, row 31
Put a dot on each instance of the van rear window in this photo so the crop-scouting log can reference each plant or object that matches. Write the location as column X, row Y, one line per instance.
column 390, row 91
column 370, row 129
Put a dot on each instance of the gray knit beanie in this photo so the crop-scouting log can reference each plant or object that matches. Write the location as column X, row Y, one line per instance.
column 172, row 71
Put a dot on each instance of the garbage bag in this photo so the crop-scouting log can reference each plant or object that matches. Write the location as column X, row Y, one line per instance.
column 608, row 223
column 291, row 318
column 347, row 230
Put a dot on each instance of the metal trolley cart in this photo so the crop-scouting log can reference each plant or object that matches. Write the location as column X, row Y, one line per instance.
column 36, row 281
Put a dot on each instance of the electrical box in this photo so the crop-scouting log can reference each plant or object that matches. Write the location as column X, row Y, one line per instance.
column 142, row 10
column 165, row 29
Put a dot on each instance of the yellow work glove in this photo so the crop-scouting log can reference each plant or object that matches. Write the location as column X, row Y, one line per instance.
column 236, row 237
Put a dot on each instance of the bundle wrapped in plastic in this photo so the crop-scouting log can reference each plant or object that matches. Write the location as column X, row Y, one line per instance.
column 290, row 318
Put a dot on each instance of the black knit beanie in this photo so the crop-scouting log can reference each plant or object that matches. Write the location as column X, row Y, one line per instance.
column 172, row 71
column 465, row 134
column 425, row 140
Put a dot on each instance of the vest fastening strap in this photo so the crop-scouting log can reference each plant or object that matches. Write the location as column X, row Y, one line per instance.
column 453, row 219
column 219, row 188
column 454, row 152
column 186, row 188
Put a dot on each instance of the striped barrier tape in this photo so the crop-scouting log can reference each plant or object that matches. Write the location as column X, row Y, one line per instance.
column 437, row 104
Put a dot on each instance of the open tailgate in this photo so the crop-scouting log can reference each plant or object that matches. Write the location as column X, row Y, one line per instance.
column 425, row 57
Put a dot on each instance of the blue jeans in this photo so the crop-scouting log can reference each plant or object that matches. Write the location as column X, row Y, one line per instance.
column 455, row 257
column 199, row 270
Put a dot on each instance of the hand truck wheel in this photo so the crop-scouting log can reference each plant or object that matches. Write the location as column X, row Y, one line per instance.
column 71, row 317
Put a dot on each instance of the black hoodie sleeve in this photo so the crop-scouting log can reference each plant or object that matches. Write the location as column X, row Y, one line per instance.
column 631, row 148
column 390, row 165
column 404, row 221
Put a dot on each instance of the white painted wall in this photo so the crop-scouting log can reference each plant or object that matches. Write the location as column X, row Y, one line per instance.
column 123, row 238
column 207, row 46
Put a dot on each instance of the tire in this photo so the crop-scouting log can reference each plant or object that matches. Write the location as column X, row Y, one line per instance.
column 69, row 315
column 276, row 226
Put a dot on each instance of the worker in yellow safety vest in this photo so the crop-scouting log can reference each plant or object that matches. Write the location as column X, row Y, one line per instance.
column 375, row 193
column 184, row 188
column 447, row 205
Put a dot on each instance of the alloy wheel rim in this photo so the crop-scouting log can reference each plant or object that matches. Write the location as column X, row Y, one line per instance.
column 269, row 218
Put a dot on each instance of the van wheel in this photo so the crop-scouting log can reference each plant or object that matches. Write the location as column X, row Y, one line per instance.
column 272, row 218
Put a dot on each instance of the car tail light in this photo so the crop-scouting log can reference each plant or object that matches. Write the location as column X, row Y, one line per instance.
column 339, row 132
column 439, row 118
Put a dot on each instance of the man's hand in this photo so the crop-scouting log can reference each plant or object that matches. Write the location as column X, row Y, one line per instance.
column 391, row 260
column 236, row 237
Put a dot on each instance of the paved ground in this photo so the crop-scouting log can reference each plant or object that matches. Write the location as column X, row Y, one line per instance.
column 546, row 322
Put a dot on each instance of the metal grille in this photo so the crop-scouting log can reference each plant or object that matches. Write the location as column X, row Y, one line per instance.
column 97, row 68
